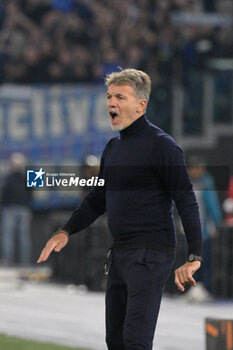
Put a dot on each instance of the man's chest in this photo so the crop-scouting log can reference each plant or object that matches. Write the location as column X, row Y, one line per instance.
column 130, row 166
column 125, row 153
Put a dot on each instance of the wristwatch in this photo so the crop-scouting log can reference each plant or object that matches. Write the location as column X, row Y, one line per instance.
column 193, row 257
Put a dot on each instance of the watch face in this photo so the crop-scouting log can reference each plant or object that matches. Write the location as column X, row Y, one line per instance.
column 193, row 257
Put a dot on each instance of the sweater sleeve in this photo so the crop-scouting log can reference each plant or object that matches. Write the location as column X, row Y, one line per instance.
column 91, row 207
column 175, row 179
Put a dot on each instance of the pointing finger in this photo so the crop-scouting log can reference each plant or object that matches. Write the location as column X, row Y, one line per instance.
column 46, row 252
column 179, row 283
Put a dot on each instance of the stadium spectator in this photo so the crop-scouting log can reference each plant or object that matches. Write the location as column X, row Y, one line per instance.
column 147, row 38
column 209, row 5
column 16, row 214
column 63, row 5
column 211, row 217
column 228, row 204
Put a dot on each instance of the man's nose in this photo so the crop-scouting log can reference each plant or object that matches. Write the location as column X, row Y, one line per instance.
column 112, row 102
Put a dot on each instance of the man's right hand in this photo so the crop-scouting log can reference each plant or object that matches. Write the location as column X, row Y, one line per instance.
column 55, row 243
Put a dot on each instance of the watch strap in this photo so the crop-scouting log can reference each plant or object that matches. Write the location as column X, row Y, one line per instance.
column 193, row 257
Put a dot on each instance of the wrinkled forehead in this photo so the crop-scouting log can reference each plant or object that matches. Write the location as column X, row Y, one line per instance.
column 125, row 89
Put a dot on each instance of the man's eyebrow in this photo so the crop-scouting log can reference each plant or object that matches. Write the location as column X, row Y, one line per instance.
column 117, row 95
column 120, row 95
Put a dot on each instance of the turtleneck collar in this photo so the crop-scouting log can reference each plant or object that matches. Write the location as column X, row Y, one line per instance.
column 137, row 125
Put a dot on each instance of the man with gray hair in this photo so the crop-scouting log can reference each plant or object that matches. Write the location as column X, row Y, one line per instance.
column 144, row 172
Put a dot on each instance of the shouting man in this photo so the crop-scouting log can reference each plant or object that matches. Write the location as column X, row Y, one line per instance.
column 144, row 172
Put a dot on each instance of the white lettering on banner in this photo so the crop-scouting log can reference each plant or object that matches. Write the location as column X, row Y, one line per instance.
column 55, row 91
column 15, row 92
column 78, row 114
column 101, row 115
column 38, row 120
column 1, row 124
column 38, row 113
column 56, row 126
column 18, row 127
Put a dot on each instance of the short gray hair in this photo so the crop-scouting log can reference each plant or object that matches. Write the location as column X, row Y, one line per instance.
column 137, row 79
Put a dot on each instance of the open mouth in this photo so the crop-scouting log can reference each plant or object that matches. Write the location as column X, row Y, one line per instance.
column 113, row 115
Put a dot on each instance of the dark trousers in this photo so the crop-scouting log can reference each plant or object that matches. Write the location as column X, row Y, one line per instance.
column 134, row 289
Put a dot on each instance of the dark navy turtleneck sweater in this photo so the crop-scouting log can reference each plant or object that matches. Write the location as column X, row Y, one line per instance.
column 144, row 172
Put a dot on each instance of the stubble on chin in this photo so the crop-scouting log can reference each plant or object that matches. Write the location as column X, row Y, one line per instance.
column 117, row 128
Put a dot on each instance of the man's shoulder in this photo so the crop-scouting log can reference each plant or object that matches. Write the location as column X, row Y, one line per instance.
column 110, row 143
column 161, row 137
column 112, row 140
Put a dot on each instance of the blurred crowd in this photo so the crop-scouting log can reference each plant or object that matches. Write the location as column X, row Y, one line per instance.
column 69, row 41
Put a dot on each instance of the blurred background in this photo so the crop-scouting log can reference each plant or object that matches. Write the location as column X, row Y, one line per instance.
column 54, row 55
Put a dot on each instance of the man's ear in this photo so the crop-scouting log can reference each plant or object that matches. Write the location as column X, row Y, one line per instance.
column 141, row 105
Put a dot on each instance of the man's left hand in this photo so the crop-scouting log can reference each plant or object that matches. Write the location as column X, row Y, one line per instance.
column 184, row 274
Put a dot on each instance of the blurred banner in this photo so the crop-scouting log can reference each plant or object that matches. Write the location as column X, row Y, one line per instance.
column 53, row 123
